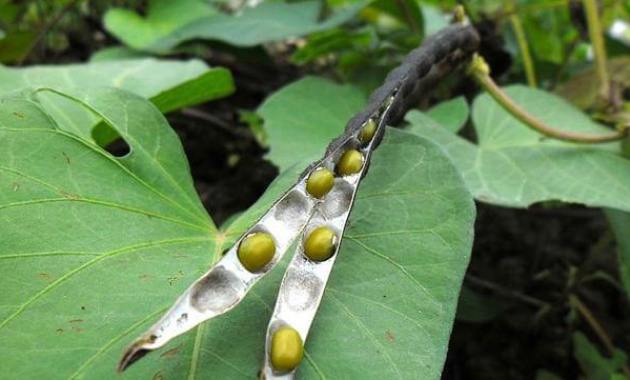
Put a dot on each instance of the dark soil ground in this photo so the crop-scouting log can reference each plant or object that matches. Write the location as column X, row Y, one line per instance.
column 531, row 261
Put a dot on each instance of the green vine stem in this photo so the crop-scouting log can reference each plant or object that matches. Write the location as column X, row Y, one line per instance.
column 480, row 70
column 528, row 63
column 599, row 50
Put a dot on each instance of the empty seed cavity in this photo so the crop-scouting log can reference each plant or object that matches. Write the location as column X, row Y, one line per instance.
column 302, row 290
column 292, row 211
column 217, row 292
column 342, row 196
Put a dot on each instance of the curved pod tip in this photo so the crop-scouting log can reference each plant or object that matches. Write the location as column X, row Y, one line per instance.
column 135, row 352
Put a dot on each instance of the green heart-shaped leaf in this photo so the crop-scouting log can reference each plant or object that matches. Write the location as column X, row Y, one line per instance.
column 95, row 248
column 169, row 84
column 302, row 118
column 512, row 165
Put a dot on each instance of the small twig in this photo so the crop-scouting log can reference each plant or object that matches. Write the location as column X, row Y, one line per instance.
column 528, row 63
column 481, row 72
column 599, row 50
column 597, row 328
column 507, row 293
column 42, row 32
column 201, row 115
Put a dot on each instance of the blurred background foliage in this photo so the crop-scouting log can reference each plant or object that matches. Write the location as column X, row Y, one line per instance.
column 541, row 42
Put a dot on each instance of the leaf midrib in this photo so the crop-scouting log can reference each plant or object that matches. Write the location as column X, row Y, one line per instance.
column 103, row 256
column 104, row 204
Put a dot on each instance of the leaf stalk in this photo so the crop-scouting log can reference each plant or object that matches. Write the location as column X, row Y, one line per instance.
column 480, row 70
column 599, row 50
column 528, row 63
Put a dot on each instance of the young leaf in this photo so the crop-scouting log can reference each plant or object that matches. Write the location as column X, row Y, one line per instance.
column 451, row 114
column 620, row 224
column 549, row 32
column 96, row 248
column 512, row 165
column 475, row 307
column 164, row 17
column 302, row 118
column 594, row 365
column 161, row 31
column 15, row 45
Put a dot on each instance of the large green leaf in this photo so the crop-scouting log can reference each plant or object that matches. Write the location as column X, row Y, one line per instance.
column 169, row 84
column 169, row 23
column 512, row 165
column 95, row 248
column 302, row 118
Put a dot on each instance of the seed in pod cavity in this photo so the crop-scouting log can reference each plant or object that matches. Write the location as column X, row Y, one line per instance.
column 320, row 182
column 367, row 132
column 320, row 244
column 287, row 349
column 350, row 162
column 256, row 251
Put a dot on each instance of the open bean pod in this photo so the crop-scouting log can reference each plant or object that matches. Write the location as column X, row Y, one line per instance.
column 305, row 279
column 226, row 284
column 318, row 204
